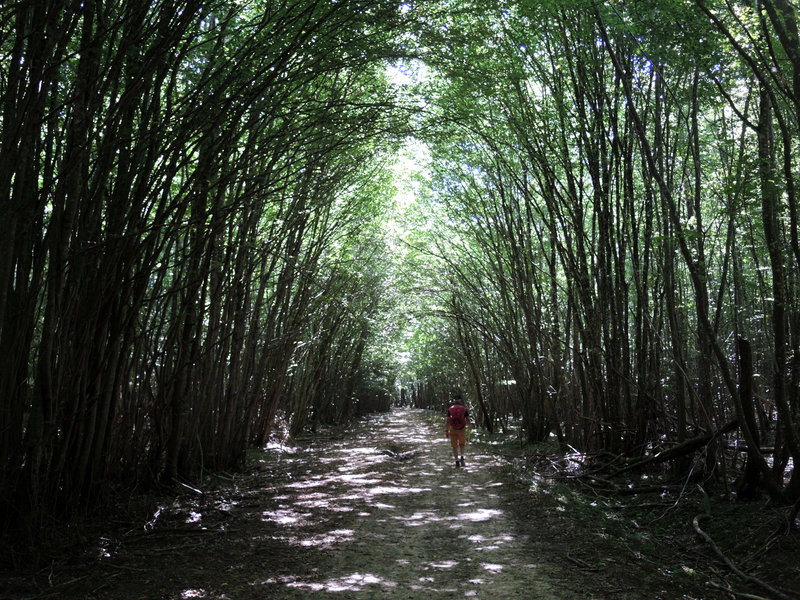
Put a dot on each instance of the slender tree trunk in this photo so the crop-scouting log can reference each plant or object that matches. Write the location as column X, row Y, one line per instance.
column 769, row 209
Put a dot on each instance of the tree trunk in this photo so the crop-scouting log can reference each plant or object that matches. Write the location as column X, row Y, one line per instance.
column 749, row 484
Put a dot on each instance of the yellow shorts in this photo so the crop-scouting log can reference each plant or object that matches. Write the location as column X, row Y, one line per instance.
column 458, row 437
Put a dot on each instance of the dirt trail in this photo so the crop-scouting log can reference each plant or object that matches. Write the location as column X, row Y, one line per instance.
column 408, row 524
column 380, row 511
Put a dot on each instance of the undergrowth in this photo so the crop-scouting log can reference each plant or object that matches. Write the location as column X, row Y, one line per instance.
column 656, row 525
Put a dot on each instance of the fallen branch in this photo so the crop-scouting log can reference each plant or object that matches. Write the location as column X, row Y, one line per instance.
column 54, row 591
column 643, row 505
column 733, row 592
column 188, row 487
column 127, row 568
column 607, row 485
column 682, row 449
column 746, row 449
column 729, row 563
column 581, row 563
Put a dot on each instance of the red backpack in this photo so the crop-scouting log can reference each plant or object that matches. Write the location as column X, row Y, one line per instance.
column 458, row 419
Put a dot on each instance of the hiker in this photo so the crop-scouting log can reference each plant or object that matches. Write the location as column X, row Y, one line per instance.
column 455, row 428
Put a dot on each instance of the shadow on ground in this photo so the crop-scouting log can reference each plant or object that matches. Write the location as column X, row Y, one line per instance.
column 378, row 511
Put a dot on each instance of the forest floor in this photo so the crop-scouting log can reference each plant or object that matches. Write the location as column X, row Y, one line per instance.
column 379, row 510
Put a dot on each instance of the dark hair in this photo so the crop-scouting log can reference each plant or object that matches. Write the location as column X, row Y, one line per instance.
column 457, row 399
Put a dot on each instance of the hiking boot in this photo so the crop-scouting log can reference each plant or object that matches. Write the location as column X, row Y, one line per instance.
column 458, row 464
column 463, row 462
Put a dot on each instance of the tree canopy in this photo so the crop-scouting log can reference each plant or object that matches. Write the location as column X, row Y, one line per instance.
column 224, row 216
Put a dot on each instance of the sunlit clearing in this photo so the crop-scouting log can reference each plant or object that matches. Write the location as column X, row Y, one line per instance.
column 482, row 514
column 282, row 517
column 420, row 518
column 489, row 543
column 410, row 164
column 358, row 479
column 329, row 539
column 193, row 594
column 362, row 450
column 407, row 73
column 399, row 75
column 280, row 447
column 350, row 583
column 445, row 564
column 412, row 440
column 311, row 483
column 396, row 490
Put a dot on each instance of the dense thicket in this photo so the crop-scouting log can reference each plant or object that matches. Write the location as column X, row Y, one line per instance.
column 190, row 196
column 195, row 239
column 619, row 185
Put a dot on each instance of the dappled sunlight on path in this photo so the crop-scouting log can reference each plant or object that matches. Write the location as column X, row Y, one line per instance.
column 375, row 511
column 388, row 513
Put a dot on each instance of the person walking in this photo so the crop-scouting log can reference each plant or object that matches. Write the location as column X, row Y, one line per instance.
column 455, row 428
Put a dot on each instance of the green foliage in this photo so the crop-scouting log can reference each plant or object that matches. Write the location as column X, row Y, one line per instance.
column 593, row 174
column 206, row 225
column 201, row 187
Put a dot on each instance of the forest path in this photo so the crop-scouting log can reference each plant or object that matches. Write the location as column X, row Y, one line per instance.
column 390, row 513
column 378, row 511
